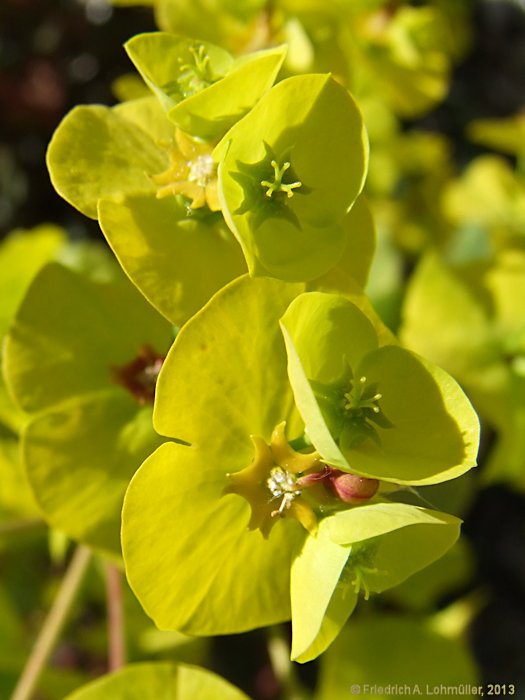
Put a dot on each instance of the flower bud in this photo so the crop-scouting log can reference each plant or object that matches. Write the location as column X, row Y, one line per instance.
column 351, row 488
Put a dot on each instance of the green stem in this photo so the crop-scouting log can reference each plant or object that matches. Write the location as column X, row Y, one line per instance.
column 116, row 640
column 12, row 527
column 53, row 625
column 279, row 653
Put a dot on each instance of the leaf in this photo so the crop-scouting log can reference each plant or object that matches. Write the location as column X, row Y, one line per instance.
column 15, row 496
column 445, row 320
column 158, row 681
column 22, row 253
column 507, row 134
column 178, row 263
column 79, row 458
column 232, row 25
column 386, row 651
column 70, row 332
column 68, row 340
column 321, row 604
column 96, row 153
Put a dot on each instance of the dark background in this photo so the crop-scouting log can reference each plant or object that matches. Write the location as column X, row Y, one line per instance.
column 55, row 54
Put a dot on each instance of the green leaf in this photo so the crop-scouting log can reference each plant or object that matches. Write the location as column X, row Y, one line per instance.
column 230, row 24
column 70, row 332
column 96, row 153
column 406, row 59
column 507, row 134
column 425, row 429
column 321, row 603
column 306, row 132
column 381, row 652
column 189, row 557
column 159, row 681
column 425, row 589
column 177, row 262
column 394, row 540
column 15, row 496
column 22, row 253
column 69, row 339
column 445, row 320
column 79, row 458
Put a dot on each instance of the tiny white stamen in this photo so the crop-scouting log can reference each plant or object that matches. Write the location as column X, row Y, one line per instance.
column 282, row 483
column 201, row 170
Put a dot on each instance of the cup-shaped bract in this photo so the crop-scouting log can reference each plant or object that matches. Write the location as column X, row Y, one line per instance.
column 370, row 408
column 82, row 358
column 202, row 87
column 152, row 681
column 22, row 254
column 289, row 172
column 189, row 556
column 105, row 162
column 482, row 342
column 366, row 549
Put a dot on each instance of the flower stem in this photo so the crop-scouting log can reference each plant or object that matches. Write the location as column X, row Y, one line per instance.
column 13, row 527
column 279, row 653
column 116, row 640
column 54, row 624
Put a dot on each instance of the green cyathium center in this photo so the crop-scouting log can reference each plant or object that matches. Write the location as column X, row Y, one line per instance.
column 277, row 185
column 201, row 62
column 194, row 76
column 351, row 408
column 361, row 398
column 268, row 185
column 360, row 566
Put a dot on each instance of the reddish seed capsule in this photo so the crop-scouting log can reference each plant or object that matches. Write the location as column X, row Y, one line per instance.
column 351, row 488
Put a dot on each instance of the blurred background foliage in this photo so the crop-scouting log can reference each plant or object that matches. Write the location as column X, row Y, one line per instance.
column 441, row 84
